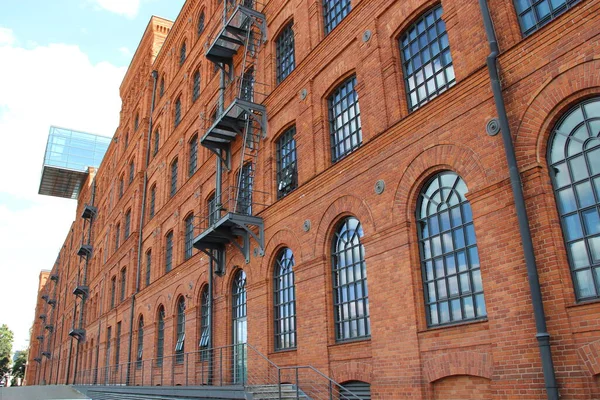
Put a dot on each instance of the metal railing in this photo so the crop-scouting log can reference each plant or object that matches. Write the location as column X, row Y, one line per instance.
column 245, row 202
column 234, row 365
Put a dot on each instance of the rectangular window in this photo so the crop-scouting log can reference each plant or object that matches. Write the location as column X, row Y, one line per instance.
column 285, row 52
column 123, row 283
column 148, row 267
column 334, row 11
column 426, row 59
column 174, row 167
column 244, row 197
column 193, row 161
column 189, row 236
column 127, row 224
column 533, row 14
column 121, row 188
column 344, row 120
column 152, row 201
column 177, row 118
column 247, row 89
column 213, row 212
column 287, row 170
column 169, row 252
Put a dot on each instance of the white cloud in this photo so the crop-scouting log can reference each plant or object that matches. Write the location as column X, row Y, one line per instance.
column 41, row 86
column 128, row 8
column 6, row 36
column 125, row 51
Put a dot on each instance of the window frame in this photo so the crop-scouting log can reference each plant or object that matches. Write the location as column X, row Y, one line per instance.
column 450, row 230
column 285, row 52
column 140, row 342
column 347, row 229
column 344, row 93
column 286, row 141
column 169, row 251
column 540, row 22
column 180, row 331
column 182, row 53
column 160, row 336
column 174, row 176
column 411, row 71
column 127, row 225
column 123, row 284
column 189, row 237
column 148, row 267
column 177, row 115
column 196, row 80
column 193, row 155
column 284, row 301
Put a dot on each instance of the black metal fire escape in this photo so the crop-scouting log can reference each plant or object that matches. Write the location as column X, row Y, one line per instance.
column 81, row 291
column 230, row 219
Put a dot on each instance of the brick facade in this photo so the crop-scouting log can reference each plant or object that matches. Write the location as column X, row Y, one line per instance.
column 543, row 76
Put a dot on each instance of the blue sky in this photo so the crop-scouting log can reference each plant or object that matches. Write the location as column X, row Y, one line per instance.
column 61, row 63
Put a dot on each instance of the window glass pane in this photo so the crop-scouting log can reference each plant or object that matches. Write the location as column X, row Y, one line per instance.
column 454, row 295
column 344, row 120
column 284, row 301
column 417, row 52
column 533, row 14
column 577, row 193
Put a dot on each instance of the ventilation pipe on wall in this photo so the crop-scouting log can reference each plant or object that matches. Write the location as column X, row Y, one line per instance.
column 542, row 336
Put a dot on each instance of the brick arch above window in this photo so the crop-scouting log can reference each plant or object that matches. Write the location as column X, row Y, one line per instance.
column 343, row 206
column 458, row 363
column 463, row 160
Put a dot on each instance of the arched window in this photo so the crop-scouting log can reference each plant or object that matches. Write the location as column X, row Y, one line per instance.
column 136, row 123
column 180, row 334
column 284, row 46
column 193, row 155
column 174, row 173
column 140, row 342
column 426, row 59
column 284, row 300
column 148, row 266
column 204, row 323
column 355, row 390
column 574, row 163
column 177, row 113
column 350, row 293
column 200, row 23
column 344, row 120
column 160, row 336
column 196, row 86
column 169, row 251
column 448, row 248
column 156, row 141
column 240, row 327
column 182, row 53
column 161, row 90
column 123, row 283
column 189, row 236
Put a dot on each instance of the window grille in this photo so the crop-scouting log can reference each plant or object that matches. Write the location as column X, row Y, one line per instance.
column 182, row 53
column 131, row 172
column 334, row 11
column 169, row 252
column 200, row 24
column 152, row 202
column 174, row 167
column 204, row 324
column 140, row 344
column 344, row 120
column 160, row 337
column 177, row 118
column 189, row 236
column 284, row 45
column 193, row 161
column 196, row 86
column 123, row 283
column 449, row 256
column 148, row 267
column 113, row 291
column 118, row 344
column 287, row 169
column 574, row 164
column 426, row 59
column 350, row 293
column 156, row 142
column 533, row 14
column 180, row 344
column 244, row 200
column 284, row 301
column 127, row 224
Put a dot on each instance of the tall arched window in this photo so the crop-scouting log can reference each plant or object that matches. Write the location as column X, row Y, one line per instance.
column 160, row 336
column 204, row 323
column 448, row 248
column 200, row 24
column 180, row 334
column 182, row 53
column 284, row 300
column 240, row 327
column 140, row 342
column 574, row 161
column 189, row 236
column 350, row 293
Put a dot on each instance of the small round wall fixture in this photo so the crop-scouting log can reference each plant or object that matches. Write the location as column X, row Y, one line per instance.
column 379, row 186
column 306, row 225
column 303, row 94
column 366, row 36
column 493, row 127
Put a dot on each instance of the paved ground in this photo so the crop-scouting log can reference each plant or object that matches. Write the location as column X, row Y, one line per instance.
column 40, row 393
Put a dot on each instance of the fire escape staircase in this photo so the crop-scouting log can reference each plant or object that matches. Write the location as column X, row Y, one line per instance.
column 230, row 219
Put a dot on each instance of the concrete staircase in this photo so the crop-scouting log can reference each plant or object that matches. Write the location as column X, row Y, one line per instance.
column 269, row 392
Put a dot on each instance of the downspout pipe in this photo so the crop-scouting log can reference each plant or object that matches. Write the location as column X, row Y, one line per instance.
column 141, row 227
column 542, row 336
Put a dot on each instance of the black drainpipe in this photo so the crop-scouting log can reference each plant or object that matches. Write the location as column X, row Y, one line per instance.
column 142, row 218
column 542, row 335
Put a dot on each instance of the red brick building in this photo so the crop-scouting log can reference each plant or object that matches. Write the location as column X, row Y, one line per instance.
column 364, row 222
